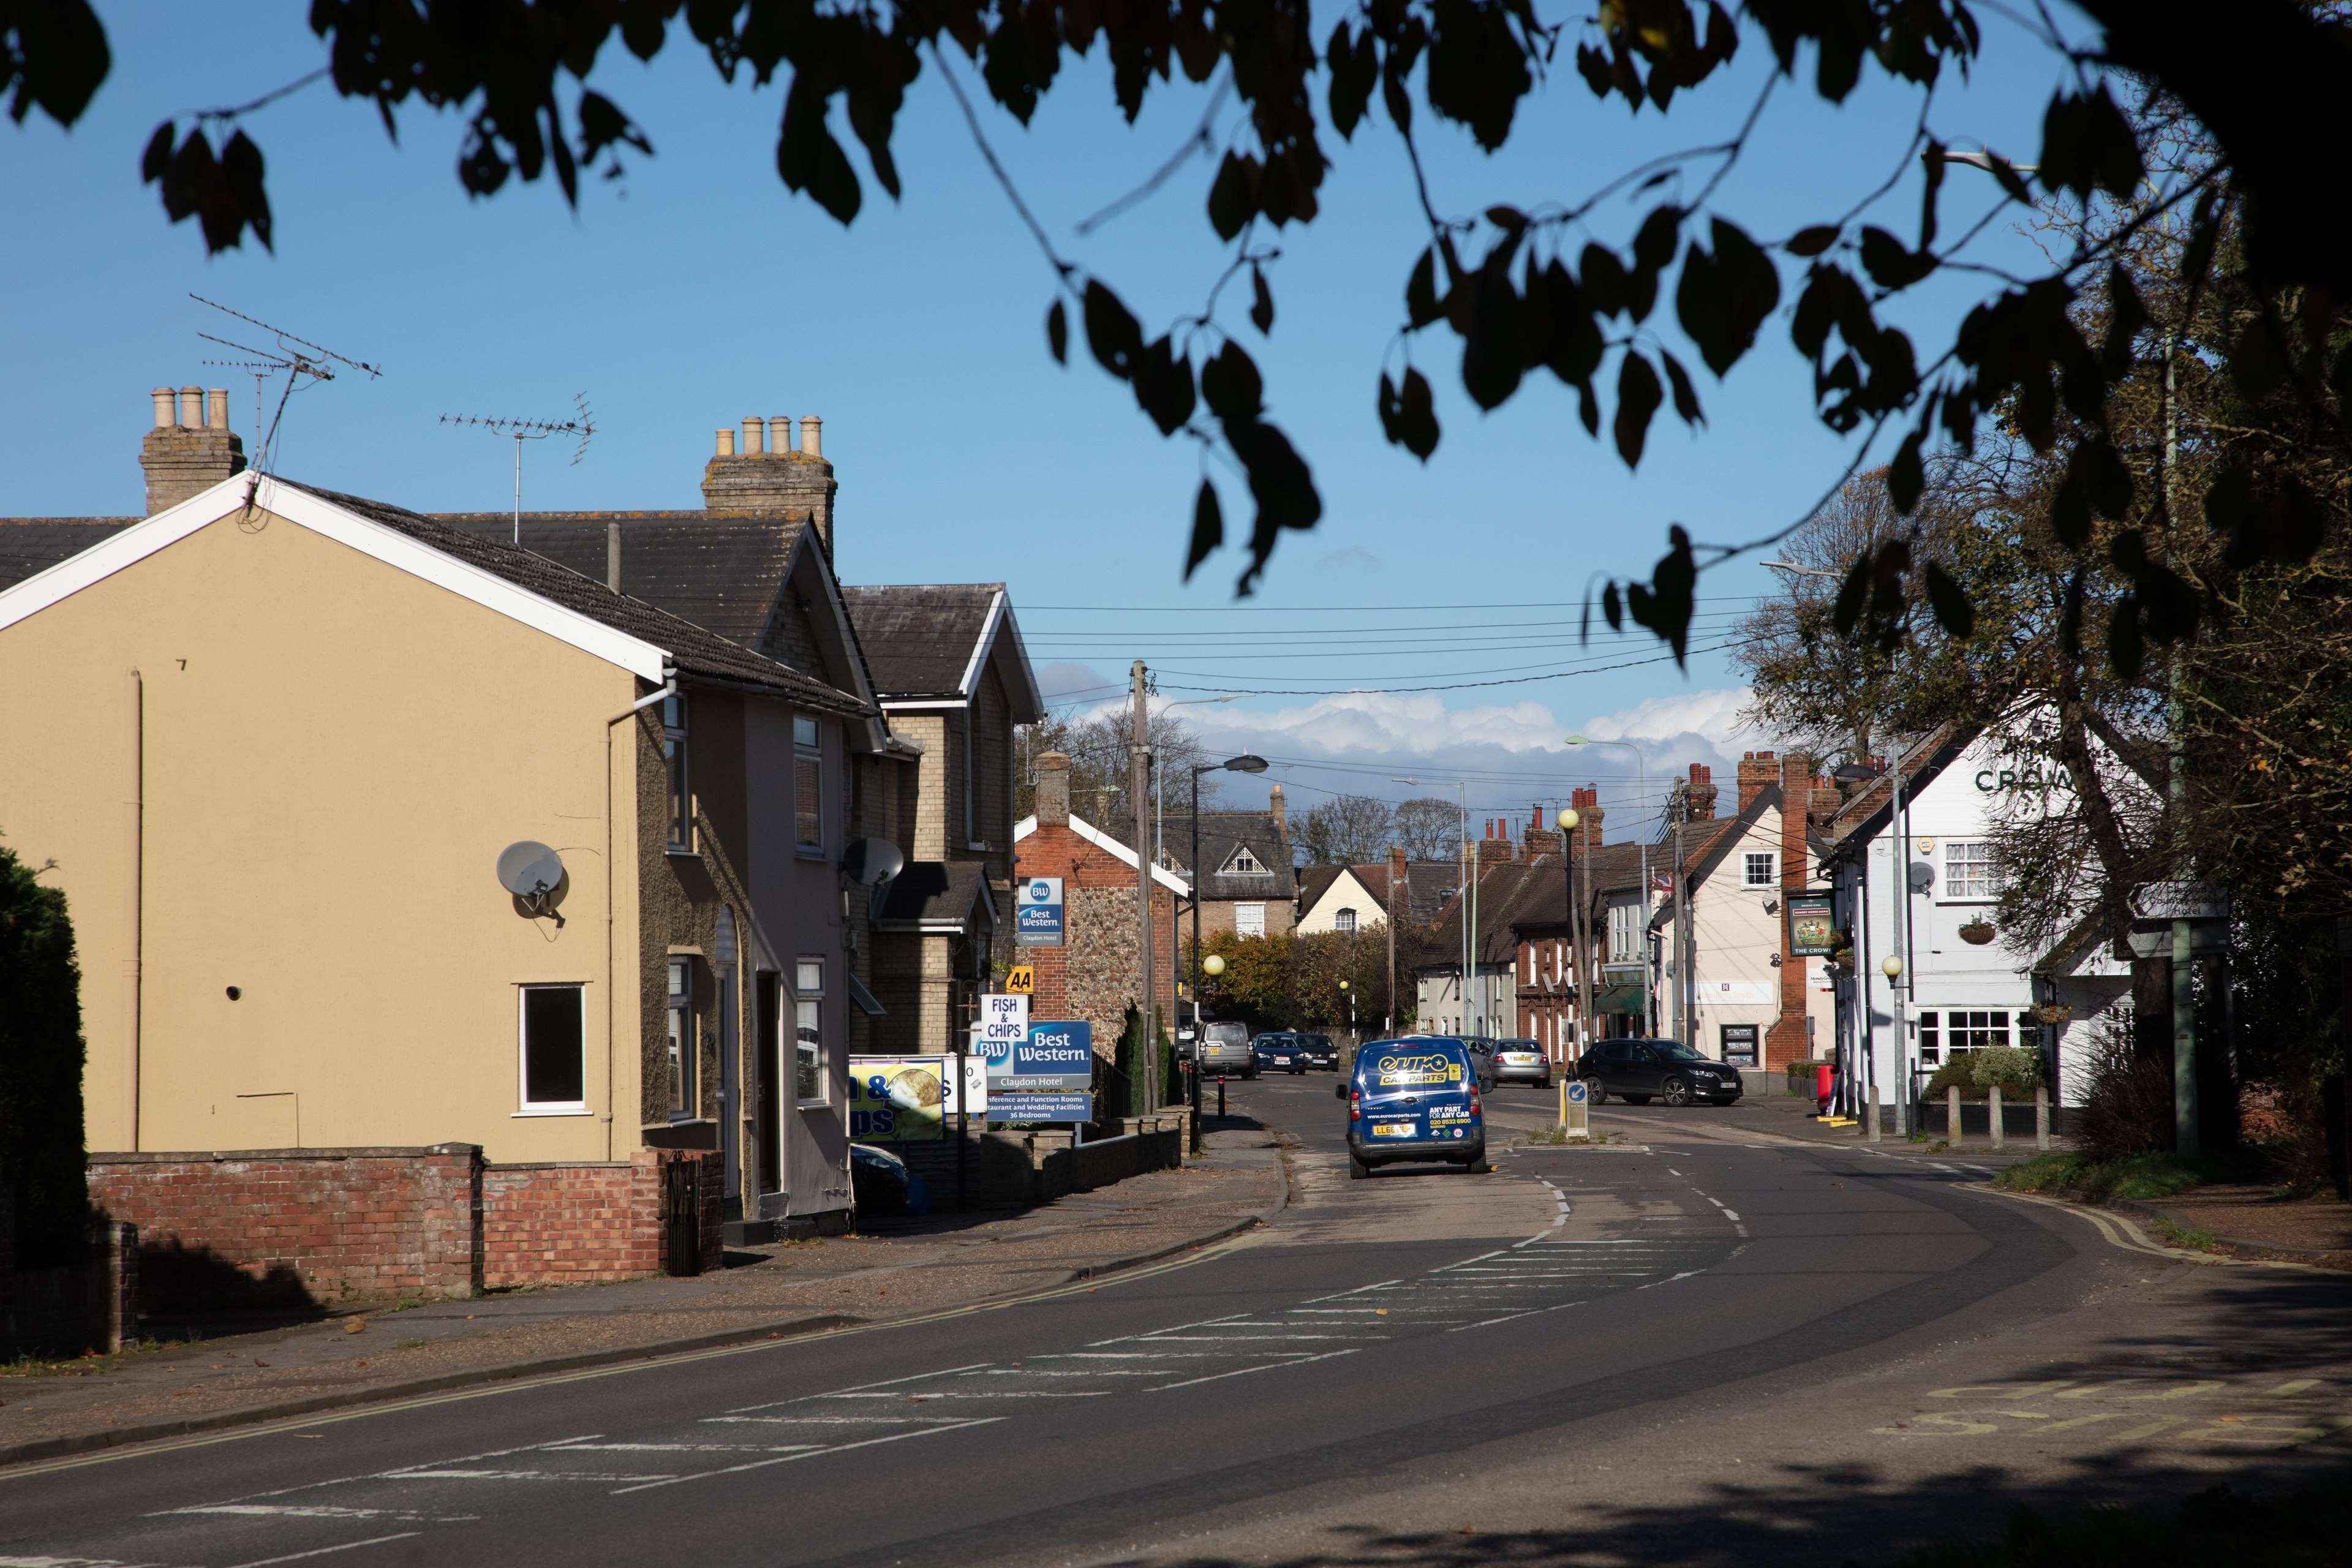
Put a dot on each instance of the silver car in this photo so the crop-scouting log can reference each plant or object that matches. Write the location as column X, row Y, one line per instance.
column 1522, row 1061
column 1224, row 1050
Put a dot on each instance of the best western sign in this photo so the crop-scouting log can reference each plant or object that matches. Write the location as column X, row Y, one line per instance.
column 1038, row 913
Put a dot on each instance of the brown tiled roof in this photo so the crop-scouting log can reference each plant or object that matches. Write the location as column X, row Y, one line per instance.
column 919, row 637
column 34, row 544
column 723, row 573
column 697, row 652
column 1222, row 833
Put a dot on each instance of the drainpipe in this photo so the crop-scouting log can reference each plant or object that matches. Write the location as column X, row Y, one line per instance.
column 612, row 933
column 138, row 883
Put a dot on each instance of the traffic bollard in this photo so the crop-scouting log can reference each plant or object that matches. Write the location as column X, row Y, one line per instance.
column 1193, row 1071
column 1992, row 1111
column 1873, row 1134
column 2041, row 1116
column 1221, row 1098
column 1952, row 1112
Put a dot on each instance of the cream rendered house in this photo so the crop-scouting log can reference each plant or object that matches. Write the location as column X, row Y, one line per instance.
column 283, row 736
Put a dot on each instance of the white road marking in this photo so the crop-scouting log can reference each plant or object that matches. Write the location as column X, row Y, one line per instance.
column 854, row 1387
column 1244, row 1371
column 837, row 1420
column 324, row 1551
column 420, row 1474
column 789, row 1459
column 319, row 1510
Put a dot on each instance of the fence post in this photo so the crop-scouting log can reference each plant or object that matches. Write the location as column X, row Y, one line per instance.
column 1992, row 1110
column 1952, row 1112
column 2041, row 1116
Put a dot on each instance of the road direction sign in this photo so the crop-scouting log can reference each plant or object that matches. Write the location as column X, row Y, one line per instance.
column 1575, row 1108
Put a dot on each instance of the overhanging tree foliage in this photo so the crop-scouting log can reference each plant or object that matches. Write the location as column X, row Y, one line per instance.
column 42, row 1165
column 1524, row 288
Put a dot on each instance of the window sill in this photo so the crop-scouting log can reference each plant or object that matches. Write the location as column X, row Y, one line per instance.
column 681, row 1118
column 550, row 1111
column 677, row 853
column 807, row 852
column 812, row 1105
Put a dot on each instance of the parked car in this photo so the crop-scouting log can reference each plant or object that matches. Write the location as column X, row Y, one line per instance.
column 1320, row 1051
column 1522, row 1061
column 1224, row 1050
column 1278, row 1053
column 1482, row 1052
column 1638, row 1071
column 1413, row 1100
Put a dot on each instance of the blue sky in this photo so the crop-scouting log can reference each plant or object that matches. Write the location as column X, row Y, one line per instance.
column 697, row 291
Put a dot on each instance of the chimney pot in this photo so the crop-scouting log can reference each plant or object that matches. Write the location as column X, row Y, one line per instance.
column 192, row 408
column 726, row 446
column 190, row 448
column 166, row 414
column 812, row 435
column 1053, row 789
column 217, row 408
column 612, row 556
column 779, row 435
column 750, row 436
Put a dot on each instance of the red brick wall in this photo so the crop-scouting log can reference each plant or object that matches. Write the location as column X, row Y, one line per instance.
column 345, row 1223
column 1092, row 974
column 577, row 1224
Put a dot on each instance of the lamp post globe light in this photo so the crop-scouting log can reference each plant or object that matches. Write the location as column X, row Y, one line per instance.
column 1567, row 820
column 1892, row 968
column 1213, row 965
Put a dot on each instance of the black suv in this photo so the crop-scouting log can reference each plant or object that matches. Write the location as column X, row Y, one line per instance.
column 1636, row 1071
column 1320, row 1051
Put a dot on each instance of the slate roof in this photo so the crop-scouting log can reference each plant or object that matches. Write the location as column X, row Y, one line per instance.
column 31, row 545
column 919, row 637
column 934, row 892
column 722, row 573
column 699, row 652
column 1222, row 833
column 1610, row 868
column 1500, row 887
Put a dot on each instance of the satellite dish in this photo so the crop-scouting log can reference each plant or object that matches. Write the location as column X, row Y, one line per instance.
column 530, row 870
column 1923, row 876
column 870, row 862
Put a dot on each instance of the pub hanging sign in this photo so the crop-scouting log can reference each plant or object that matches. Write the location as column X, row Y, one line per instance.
column 1813, row 925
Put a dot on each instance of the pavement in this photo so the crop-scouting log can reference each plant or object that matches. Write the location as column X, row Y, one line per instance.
column 893, row 1269
column 1712, row 1342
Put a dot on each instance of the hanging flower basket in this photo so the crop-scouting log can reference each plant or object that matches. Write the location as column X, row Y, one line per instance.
column 1978, row 931
column 2052, row 1013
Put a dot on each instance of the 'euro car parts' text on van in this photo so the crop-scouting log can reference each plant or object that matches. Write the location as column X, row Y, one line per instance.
column 1413, row 1100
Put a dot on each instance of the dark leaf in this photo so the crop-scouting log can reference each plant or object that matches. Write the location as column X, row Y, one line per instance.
column 1477, row 68
column 1638, row 396
column 1686, row 397
column 1163, row 386
column 1613, row 607
column 1853, row 593
column 2087, row 145
column 1279, row 482
column 2230, row 500
column 1208, row 529
column 61, row 58
column 1420, row 304
column 158, row 156
column 1391, row 410
column 2204, row 234
column 1723, row 298
column 2256, row 363
column 1573, row 345
column 1593, row 67
column 809, row 159
column 1231, row 386
column 1906, row 476
column 1233, row 195
column 2126, row 648
column 1813, row 240
column 2126, row 317
column 1058, row 331
column 1417, row 415
column 1261, row 303
column 241, row 169
column 2107, row 483
column 2070, row 511
column 1354, row 68
column 1492, row 355
column 1932, row 158
column 1950, row 603
column 1604, row 281
column 1111, row 331
column 1654, row 242
column 1664, row 606
column 1891, row 266
column 1588, row 407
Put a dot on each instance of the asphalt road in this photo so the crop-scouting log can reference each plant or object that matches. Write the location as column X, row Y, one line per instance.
column 1423, row 1366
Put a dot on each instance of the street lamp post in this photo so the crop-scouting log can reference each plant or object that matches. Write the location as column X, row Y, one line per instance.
column 1568, row 820
column 1642, row 841
column 1247, row 762
column 1350, row 995
column 1211, row 966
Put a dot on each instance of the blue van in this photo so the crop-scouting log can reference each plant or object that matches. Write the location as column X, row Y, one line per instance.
column 1414, row 1099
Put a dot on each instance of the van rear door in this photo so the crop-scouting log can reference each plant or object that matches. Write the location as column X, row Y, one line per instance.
column 1415, row 1091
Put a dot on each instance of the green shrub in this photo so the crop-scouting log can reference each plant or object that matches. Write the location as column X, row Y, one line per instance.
column 2138, row 1177
column 1973, row 1073
column 41, row 1157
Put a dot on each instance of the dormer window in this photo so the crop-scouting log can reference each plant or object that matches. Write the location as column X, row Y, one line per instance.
column 1245, row 864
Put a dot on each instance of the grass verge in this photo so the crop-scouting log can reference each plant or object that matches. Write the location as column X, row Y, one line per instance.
column 2140, row 1177
column 2298, row 1529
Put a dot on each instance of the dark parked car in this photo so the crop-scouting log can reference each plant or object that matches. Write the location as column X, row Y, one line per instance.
column 1278, row 1053
column 1637, row 1072
column 1320, row 1051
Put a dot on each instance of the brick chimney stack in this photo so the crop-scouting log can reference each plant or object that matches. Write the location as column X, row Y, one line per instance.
column 1281, row 816
column 1589, row 809
column 1053, row 789
column 1702, row 792
column 767, row 478
column 1758, row 772
column 1540, row 838
column 190, row 448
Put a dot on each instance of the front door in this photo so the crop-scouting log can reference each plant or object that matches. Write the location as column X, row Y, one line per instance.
column 768, row 1013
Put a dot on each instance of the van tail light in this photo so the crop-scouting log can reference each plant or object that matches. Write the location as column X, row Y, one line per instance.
column 1474, row 1103
column 1355, row 1105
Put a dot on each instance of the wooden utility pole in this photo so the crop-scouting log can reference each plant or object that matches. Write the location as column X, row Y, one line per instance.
column 1387, row 1022
column 1585, row 955
column 1686, row 1026
column 1139, row 774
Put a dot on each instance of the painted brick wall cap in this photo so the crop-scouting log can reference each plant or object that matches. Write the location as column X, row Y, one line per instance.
column 168, row 1157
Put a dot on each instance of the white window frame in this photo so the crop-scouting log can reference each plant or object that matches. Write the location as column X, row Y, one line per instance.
column 1245, row 864
column 1973, row 855
column 530, row 1107
column 1256, row 913
column 810, row 751
column 1770, row 867
column 810, row 994
column 1344, row 920
column 685, row 1051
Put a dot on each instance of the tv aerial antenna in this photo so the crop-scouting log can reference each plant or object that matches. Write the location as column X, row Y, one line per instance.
column 582, row 424
column 300, row 361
